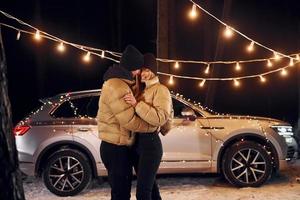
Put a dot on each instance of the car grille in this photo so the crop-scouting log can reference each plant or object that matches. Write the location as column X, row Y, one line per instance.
column 290, row 153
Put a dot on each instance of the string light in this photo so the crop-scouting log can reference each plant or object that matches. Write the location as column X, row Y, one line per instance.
column 291, row 62
column 236, row 31
column 87, row 57
column 117, row 54
column 207, row 69
column 90, row 50
column 270, row 64
column 18, row 35
column 262, row 79
column 236, row 83
column 284, row 72
column 37, row 35
column 176, row 65
column 250, row 48
column 277, row 57
column 237, row 66
column 297, row 57
column 193, row 13
column 228, row 33
column 61, row 47
column 102, row 54
column 171, row 80
column 201, row 84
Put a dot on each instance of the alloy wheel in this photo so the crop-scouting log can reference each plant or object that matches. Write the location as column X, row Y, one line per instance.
column 248, row 165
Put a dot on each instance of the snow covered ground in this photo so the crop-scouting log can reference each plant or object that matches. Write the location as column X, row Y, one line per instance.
column 188, row 187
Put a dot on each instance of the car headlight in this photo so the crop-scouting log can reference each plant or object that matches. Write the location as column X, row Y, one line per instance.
column 285, row 131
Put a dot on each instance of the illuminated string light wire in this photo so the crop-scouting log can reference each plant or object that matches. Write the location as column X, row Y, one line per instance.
column 236, row 31
column 18, row 35
column 236, row 83
column 269, row 64
column 291, row 62
column 250, row 48
column 87, row 57
column 207, row 69
column 37, row 35
column 201, row 84
column 118, row 55
column 52, row 37
column 171, row 80
column 228, row 32
column 193, row 13
column 176, row 65
column 61, row 47
column 164, row 60
column 282, row 70
column 262, row 79
column 238, row 66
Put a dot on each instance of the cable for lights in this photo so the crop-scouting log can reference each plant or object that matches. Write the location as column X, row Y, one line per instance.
column 118, row 54
column 235, row 30
column 172, row 76
column 94, row 51
column 55, row 39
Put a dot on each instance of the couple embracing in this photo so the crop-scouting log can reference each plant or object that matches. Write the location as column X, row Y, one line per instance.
column 133, row 108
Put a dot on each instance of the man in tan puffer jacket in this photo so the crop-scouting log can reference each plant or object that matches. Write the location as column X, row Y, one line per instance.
column 117, row 120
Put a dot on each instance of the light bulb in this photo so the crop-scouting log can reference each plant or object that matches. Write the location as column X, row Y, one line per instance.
column 262, row 79
column 270, row 64
column 228, row 32
column 201, row 84
column 176, row 65
column 291, row 62
column 193, row 13
column 297, row 57
column 284, row 72
column 61, row 47
column 277, row 57
column 102, row 54
column 236, row 83
column 171, row 80
column 250, row 48
column 18, row 35
column 237, row 66
column 207, row 69
column 37, row 35
column 87, row 57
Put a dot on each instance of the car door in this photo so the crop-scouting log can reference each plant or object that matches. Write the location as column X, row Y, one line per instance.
column 188, row 144
column 84, row 125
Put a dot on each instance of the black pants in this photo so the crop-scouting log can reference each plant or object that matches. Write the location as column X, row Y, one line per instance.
column 117, row 161
column 147, row 154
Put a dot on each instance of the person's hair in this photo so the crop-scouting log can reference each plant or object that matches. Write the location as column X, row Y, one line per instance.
column 139, row 87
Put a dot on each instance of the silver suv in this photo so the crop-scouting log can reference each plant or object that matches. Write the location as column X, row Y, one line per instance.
column 59, row 141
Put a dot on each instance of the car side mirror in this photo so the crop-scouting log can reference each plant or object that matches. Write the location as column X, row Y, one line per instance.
column 189, row 114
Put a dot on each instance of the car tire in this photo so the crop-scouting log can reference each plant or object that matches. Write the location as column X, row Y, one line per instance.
column 247, row 164
column 67, row 172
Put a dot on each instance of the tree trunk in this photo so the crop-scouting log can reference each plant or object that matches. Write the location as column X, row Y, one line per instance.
column 11, row 187
column 212, row 85
column 163, row 25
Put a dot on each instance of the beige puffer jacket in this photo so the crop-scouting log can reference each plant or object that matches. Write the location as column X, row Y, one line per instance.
column 155, row 106
column 116, row 119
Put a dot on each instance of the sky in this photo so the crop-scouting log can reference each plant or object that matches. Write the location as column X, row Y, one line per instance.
column 37, row 70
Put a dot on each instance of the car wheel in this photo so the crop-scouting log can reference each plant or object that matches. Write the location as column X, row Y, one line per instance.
column 247, row 164
column 67, row 172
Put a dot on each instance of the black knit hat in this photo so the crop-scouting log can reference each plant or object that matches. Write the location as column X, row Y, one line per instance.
column 132, row 59
column 150, row 62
